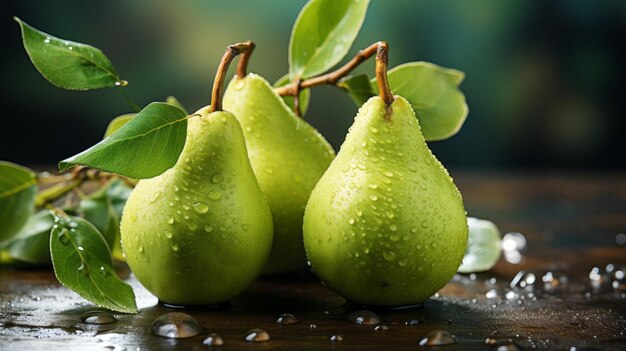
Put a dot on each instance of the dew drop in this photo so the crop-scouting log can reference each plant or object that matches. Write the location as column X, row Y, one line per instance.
column 506, row 345
column 84, row 270
column 390, row 215
column 523, row 279
column 257, row 335
column 365, row 317
column 381, row 327
column 373, row 197
column 201, row 207
column 388, row 174
column 174, row 247
column 403, row 262
column 213, row 339
column 176, row 325
column 393, row 227
column 412, row 322
column 97, row 317
column 373, row 130
column 217, row 178
column 170, row 220
column 437, row 338
column 208, row 228
column 425, row 223
column 168, row 235
column 287, row 318
column 155, row 196
column 215, row 195
column 239, row 84
column 336, row 338
column 389, row 255
column 351, row 221
column 47, row 41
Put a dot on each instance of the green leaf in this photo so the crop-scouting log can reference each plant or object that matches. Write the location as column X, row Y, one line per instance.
column 82, row 263
column 434, row 94
column 32, row 242
column 104, row 208
column 117, row 123
column 323, row 34
column 18, row 187
column 172, row 100
column 67, row 64
column 145, row 147
column 483, row 246
column 305, row 95
column 358, row 87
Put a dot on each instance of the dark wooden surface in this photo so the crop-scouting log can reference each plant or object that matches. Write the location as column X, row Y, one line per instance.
column 570, row 222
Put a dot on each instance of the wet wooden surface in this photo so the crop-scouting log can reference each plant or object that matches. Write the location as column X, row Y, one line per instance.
column 570, row 222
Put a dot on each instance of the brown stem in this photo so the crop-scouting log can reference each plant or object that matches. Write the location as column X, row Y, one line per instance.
column 232, row 51
column 296, row 98
column 242, row 66
column 382, row 60
column 333, row 77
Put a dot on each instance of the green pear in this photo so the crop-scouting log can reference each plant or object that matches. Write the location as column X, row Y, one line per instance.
column 201, row 232
column 288, row 157
column 385, row 225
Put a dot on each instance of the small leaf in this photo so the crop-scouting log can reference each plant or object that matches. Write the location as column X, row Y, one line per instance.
column 117, row 123
column 82, row 263
column 145, row 147
column 483, row 246
column 18, row 187
column 358, row 87
column 67, row 64
column 305, row 95
column 434, row 95
column 32, row 242
column 323, row 34
column 103, row 209
column 172, row 100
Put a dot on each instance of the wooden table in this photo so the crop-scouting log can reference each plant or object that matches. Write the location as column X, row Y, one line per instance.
column 571, row 223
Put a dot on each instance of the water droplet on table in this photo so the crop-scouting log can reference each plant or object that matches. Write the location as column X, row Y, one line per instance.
column 176, row 325
column 523, row 279
column 336, row 338
column 507, row 345
column 287, row 318
column 213, row 339
column 365, row 317
column 437, row 338
column 381, row 327
column 257, row 335
column 97, row 317
column 412, row 322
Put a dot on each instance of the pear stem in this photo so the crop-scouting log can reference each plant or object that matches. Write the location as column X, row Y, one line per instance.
column 245, row 49
column 333, row 77
column 296, row 98
column 382, row 59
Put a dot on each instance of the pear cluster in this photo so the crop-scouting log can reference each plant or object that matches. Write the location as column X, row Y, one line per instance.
column 258, row 190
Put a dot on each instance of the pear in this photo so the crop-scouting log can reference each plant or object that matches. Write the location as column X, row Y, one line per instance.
column 288, row 157
column 385, row 225
column 201, row 232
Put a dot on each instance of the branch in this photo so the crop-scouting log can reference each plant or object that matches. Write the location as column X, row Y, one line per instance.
column 333, row 77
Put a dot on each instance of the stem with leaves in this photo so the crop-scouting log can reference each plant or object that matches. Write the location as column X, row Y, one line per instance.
column 245, row 49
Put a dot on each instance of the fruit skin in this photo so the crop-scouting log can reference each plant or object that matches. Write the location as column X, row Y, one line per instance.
column 288, row 157
column 385, row 225
column 200, row 233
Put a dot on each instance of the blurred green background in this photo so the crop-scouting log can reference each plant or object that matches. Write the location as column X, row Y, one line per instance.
column 544, row 79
